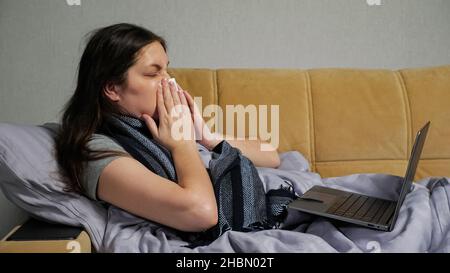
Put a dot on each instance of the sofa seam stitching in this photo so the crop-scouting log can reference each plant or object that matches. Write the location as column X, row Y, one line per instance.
column 371, row 160
column 360, row 160
column 407, row 111
column 312, row 134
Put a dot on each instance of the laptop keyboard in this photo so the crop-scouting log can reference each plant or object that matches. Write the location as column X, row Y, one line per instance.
column 363, row 208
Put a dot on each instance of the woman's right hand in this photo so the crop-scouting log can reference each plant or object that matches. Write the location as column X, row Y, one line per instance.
column 175, row 128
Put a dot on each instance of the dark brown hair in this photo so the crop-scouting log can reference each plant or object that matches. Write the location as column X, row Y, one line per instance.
column 108, row 55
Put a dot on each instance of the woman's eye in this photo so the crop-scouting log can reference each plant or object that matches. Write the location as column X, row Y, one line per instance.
column 151, row 75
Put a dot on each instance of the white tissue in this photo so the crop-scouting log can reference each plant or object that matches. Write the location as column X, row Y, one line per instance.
column 174, row 83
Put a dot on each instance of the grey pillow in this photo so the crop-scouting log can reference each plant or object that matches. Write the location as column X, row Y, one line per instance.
column 30, row 179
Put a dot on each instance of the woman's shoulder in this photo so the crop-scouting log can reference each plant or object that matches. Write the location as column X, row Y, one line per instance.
column 94, row 168
column 104, row 142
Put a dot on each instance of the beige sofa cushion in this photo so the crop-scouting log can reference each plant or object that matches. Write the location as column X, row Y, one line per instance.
column 343, row 121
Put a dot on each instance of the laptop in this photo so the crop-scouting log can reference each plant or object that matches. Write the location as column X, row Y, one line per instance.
column 360, row 209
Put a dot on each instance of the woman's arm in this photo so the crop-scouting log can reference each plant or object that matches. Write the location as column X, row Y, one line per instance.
column 251, row 149
column 189, row 205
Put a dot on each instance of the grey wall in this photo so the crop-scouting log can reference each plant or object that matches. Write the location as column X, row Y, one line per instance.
column 41, row 42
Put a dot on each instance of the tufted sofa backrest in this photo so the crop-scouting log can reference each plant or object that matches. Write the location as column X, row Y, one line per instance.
column 343, row 121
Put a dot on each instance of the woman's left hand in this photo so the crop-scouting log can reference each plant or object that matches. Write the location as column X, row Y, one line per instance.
column 203, row 134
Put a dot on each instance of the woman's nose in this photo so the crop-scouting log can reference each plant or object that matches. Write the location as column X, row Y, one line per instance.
column 166, row 75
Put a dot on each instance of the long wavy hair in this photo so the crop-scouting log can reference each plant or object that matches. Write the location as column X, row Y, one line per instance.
column 108, row 55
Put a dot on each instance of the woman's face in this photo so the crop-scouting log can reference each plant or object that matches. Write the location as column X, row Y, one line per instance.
column 138, row 94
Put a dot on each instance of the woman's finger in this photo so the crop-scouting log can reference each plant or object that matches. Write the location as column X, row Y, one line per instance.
column 179, row 88
column 175, row 97
column 190, row 102
column 168, row 100
column 183, row 98
column 160, row 102
column 188, row 97
column 183, row 103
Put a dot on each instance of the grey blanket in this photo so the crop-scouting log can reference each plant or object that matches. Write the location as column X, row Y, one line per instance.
column 27, row 168
column 242, row 203
column 423, row 224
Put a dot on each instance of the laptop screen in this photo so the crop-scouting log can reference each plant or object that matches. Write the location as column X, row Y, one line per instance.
column 412, row 167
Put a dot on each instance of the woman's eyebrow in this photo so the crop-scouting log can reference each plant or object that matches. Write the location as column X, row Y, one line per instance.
column 158, row 66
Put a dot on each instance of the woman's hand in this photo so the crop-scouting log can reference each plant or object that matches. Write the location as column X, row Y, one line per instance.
column 202, row 132
column 175, row 126
column 249, row 148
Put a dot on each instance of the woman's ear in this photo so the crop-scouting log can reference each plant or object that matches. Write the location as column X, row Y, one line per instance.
column 112, row 92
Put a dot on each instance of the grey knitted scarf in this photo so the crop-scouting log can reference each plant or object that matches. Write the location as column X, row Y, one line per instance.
column 242, row 203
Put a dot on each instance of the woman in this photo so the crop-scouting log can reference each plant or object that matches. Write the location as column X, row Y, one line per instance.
column 123, row 73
